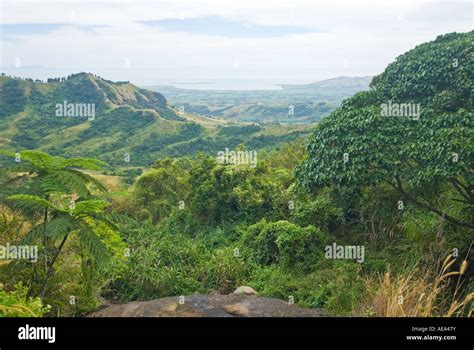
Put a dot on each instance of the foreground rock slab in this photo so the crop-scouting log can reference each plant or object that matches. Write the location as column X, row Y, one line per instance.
column 233, row 305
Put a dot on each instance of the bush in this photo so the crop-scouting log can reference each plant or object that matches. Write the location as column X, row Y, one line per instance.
column 17, row 304
column 338, row 288
column 321, row 211
column 300, row 246
column 286, row 243
column 163, row 264
column 223, row 272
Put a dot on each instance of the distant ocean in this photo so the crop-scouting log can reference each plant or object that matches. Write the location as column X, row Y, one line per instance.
column 226, row 84
column 139, row 78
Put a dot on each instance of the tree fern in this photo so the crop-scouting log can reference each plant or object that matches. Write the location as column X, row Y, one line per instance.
column 50, row 180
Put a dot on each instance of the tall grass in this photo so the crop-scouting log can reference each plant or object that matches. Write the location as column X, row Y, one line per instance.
column 418, row 292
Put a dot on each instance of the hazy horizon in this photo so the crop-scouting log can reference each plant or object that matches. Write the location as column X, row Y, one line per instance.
column 237, row 45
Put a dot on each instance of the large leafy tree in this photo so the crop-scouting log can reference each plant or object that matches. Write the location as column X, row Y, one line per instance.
column 419, row 156
column 61, row 201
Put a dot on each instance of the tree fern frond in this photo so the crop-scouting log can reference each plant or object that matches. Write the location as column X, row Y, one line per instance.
column 20, row 167
column 31, row 202
column 38, row 159
column 83, row 163
column 34, row 234
column 60, row 226
column 120, row 219
column 93, row 244
column 64, row 181
column 54, row 229
column 49, row 184
column 90, row 207
column 88, row 179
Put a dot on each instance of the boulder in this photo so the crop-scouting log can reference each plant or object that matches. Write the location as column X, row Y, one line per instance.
column 216, row 305
column 245, row 290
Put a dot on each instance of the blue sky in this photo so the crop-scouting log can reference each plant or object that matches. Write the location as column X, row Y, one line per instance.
column 257, row 43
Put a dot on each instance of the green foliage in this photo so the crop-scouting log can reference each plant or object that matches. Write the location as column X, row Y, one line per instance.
column 285, row 242
column 430, row 70
column 322, row 211
column 163, row 264
column 17, row 304
column 357, row 145
column 206, row 227
column 162, row 188
column 338, row 289
column 56, row 214
column 261, row 239
column 300, row 246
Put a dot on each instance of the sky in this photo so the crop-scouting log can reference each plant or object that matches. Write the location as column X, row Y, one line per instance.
column 243, row 44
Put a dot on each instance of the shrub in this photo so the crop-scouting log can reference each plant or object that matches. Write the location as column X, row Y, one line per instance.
column 300, row 246
column 163, row 264
column 321, row 211
column 284, row 242
column 17, row 304
column 338, row 288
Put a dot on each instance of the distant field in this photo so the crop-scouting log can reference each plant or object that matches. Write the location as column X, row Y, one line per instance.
column 293, row 104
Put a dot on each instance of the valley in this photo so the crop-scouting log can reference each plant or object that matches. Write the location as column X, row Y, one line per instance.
column 291, row 104
column 310, row 200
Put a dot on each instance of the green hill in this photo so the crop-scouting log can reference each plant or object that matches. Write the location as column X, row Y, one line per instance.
column 127, row 121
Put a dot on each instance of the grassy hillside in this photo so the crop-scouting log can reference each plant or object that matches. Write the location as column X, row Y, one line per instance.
column 128, row 121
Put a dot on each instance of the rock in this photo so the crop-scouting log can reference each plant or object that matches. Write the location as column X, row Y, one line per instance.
column 245, row 290
column 216, row 305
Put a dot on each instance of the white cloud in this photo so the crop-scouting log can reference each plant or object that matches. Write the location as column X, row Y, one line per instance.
column 352, row 38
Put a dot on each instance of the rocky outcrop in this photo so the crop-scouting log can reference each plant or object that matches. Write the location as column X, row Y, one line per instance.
column 238, row 304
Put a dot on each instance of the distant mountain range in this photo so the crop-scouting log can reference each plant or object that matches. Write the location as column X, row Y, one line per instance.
column 127, row 120
column 346, row 85
column 293, row 104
